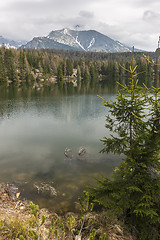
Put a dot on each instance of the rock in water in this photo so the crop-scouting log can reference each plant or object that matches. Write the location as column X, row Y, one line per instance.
column 82, row 151
column 68, row 153
column 45, row 189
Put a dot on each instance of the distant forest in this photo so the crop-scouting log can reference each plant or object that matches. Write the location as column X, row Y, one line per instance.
column 49, row 66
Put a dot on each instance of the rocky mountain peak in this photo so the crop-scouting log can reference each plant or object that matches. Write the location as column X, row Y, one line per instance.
column 86, row 40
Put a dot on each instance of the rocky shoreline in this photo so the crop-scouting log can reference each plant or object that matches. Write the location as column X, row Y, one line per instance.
column 21, row 220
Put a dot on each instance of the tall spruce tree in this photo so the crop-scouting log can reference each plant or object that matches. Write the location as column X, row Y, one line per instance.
column 69, row 67
column 10, row 65
column 3, row 77
column 134, row 192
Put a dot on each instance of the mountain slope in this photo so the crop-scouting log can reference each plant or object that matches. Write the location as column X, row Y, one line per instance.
column 45, row 43
column 90, row 40
column 10, row 43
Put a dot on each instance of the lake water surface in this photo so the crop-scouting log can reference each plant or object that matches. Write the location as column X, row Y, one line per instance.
column 35, row 130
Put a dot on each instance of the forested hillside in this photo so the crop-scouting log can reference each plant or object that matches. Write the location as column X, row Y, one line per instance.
column 38, row 66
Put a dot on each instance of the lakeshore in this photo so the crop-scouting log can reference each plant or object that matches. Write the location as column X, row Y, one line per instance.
column 17, row 219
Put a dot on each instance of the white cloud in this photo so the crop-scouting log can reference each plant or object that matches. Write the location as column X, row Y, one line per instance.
column 151, row 16
column 86, row 14
column 133, row 22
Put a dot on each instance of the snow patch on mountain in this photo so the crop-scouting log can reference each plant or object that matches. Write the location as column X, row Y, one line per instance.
column 7, row 45
column 65, row 31
column 63, row 36
column 91, row 43
column 79, row 44
column 122, row 45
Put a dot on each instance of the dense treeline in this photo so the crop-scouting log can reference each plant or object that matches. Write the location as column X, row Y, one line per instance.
column 125, row 56
column 35, row 66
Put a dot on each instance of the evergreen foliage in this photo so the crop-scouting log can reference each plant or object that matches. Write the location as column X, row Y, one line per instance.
column 31, row 66
column 69, row 67
column 134, row 192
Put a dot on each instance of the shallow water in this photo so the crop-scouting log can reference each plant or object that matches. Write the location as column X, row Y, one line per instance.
column 35, row 130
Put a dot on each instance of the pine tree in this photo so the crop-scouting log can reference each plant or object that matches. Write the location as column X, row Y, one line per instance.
column 134, row 192
column 60, row 77
column 10, row 66
column 93, row 76
column 3, row 77
column 21, row 65
column 78, row 74
column 69, row 67
column 86, row 76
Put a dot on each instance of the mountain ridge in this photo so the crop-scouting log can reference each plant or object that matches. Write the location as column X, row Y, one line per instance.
column 86, row 40
column 68, row 39
column 11, row 43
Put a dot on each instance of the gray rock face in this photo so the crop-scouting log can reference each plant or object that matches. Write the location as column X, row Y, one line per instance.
column 89, row 41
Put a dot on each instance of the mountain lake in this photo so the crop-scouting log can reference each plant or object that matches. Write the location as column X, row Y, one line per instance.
column 42, row 132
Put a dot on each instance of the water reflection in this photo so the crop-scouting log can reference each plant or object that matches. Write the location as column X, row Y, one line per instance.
column 37, row 127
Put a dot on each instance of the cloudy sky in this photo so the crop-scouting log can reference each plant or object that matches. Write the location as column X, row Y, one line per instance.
column 133, row 22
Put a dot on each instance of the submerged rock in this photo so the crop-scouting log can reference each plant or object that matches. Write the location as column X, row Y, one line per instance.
column 80, row 156
column 82, row 151
column 67, row 153
column 45, row 188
